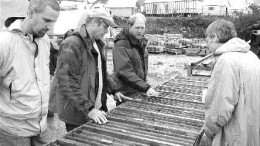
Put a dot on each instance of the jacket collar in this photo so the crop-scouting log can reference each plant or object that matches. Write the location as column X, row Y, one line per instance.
column 125, row 34
column 131, row 38
column 233, row 45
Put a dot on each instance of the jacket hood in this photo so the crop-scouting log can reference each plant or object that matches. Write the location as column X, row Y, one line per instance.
column 233, row 45
column 125, row 35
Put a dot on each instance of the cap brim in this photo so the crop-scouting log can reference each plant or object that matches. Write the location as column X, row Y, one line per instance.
column 109, row 22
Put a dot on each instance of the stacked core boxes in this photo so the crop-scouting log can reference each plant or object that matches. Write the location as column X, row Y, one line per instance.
column 175, row 117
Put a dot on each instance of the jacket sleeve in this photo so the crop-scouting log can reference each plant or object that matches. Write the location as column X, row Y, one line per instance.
column 111, row 85
column 222, row 96
column 68, row 77
column 5, row 47
column 124, row 70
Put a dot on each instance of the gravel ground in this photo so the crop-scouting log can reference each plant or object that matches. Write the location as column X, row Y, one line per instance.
column 162, row 67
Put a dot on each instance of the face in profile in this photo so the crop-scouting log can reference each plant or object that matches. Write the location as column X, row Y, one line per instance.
column 212, row 44
column 138, row 29
column 42, row 22
column 100, row 30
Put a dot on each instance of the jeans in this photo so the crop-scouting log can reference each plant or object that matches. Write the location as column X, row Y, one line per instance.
column 7, row 139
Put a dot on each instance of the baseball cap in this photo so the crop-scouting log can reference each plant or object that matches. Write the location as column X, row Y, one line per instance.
column 104, row 15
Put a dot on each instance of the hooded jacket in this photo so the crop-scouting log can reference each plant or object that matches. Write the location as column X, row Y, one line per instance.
column 130, row 63
column 232, row 102
column 24, row 83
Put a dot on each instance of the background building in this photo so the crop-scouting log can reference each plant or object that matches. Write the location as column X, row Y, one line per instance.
column 173, row 7
column 122, row 8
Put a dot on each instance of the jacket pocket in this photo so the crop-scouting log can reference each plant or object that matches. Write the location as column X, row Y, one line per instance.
column 137, row 58
column 66, row 105
column 6, row 88
column 10, row 90
column 92, row 95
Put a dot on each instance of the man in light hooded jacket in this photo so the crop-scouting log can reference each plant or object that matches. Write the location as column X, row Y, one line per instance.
column 25, row 75
column 232, row 101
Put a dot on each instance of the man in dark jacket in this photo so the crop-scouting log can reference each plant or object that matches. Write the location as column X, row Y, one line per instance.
column 83, row 82
column 131, row 58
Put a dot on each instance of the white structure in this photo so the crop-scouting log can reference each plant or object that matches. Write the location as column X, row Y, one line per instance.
column 122, row 8
column 226, row 7
column 215, row 7
column 220, row 10
column 168, row 7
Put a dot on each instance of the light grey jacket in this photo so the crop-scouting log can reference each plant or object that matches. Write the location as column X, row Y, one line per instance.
column 233, row 98
column 24, row 83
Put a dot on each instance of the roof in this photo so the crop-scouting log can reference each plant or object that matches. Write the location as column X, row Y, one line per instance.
column 121, row 3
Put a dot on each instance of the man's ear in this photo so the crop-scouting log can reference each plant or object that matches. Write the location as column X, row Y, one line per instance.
column 215, row 39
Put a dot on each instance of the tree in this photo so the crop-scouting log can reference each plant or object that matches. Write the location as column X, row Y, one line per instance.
column 244, row 21
column 255, row 8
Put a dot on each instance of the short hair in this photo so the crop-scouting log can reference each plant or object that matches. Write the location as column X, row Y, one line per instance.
column 39, row 5
column 225, row 30
column 132, row 18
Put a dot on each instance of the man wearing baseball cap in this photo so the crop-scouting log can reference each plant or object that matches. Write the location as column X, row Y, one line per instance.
column 102, row 14
column 83, row 82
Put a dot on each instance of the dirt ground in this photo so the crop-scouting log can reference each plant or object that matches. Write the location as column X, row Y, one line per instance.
column 162, row 67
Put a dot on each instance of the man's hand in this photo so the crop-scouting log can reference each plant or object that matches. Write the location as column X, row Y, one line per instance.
column 98, row 116
column 152, row 92
column 119, row 96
